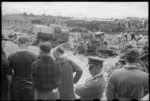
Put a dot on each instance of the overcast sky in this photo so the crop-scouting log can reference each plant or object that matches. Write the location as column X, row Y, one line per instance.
column 80, row 9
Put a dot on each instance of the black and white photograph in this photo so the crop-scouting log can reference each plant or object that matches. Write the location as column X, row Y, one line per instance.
column 75, row 50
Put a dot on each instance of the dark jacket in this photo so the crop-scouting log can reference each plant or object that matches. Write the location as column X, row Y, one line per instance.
column 45, row 73
column 92, row 89
column 127, row 83
column 20, row 62
column 68, row 67
column 5, row 70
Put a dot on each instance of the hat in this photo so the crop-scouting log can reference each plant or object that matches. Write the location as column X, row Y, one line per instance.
column 92, row 60
column 3, row 38
column 132, row 53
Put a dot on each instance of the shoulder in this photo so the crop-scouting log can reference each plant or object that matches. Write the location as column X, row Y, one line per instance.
column 118, row 71
column 99, row 80
column 143, row 74
column 31, row 54
column 36, row 61
column 12, row 55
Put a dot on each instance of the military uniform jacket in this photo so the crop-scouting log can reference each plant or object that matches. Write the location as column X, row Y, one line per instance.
column 92, row 89
column 127, row 83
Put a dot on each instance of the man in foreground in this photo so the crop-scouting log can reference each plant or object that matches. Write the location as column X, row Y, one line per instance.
column 128, row 82
column 20, row 63
column 68, row 67
column 94, row 86
column 45, row 75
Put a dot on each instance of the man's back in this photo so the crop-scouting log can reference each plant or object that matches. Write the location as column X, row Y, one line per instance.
column 129, row 83
column 66, row 89
column 20, row 62
column 45, row 73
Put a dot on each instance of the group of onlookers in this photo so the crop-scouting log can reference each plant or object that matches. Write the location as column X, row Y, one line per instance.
column 38, row 77
column 47, row 76
column 124, row 39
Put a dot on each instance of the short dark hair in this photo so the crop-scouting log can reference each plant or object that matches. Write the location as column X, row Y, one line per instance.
column 132, row 55
column 45, row 46
column 60, row 50
column 23, row 39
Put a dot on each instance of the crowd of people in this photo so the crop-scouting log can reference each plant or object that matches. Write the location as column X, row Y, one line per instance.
column 49, row 76
column 89, row 43
column 128, row 38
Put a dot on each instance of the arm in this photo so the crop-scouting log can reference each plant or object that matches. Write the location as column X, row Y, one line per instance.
column 58, row 73
column 8, row 71
column 110, row 88
column 87, row 89
column 76, row 68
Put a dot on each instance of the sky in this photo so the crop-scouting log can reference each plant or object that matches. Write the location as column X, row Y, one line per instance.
column 80, row 9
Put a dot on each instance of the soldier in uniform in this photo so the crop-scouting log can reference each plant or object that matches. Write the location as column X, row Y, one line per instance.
column 128, row 82
column 94, row 86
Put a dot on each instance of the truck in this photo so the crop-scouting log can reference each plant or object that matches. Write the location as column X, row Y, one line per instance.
column 56, row 34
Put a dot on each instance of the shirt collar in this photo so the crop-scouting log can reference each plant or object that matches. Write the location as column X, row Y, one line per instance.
column 98, row 75
column 44, row 56
column 130, row 67
column 25, row 49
